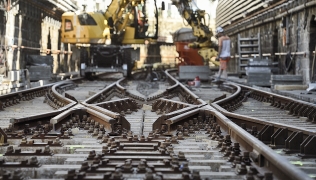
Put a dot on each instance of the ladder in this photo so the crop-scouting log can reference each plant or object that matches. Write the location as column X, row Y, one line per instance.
column 247, row 49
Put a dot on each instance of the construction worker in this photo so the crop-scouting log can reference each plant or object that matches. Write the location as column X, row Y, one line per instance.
column 223, row 52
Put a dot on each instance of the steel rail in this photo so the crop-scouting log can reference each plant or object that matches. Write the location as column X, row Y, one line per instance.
column 69, row 103
column 47, row 115
column 120, row 86
column 127, row 147
column 259, row 122
column 270, row 159
column 165, row 117
column 172, row 79
column 262, row 154
column 279, row 100
column 274, row 95
column 95, row 96
column 231, row 97
column 196, row 98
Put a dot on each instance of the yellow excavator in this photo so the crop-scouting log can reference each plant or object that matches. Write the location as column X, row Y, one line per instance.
column 104, row 39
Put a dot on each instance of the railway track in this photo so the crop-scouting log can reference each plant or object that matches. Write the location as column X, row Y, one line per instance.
column 114, row 128
column 285, row 124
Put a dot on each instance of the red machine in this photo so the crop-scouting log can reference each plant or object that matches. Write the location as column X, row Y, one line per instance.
column 190, row 62
column 188, row 56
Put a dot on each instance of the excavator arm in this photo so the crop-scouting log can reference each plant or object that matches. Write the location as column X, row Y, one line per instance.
column 122, row 14
column 196, row 19
column 118, row 14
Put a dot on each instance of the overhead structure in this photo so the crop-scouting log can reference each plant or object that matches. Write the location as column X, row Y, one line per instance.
column 228, row 12
column 64, row 5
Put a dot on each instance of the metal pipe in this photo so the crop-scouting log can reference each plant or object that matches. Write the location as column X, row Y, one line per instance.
column 269, row 54
column 293, row 53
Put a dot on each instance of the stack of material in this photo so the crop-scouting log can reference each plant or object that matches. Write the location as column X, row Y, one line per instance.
column 40, row 67
column 258, row 72
column 286, row 80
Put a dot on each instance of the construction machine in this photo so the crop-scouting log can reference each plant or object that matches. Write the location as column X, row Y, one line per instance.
column 104, row 39
column 191, row 65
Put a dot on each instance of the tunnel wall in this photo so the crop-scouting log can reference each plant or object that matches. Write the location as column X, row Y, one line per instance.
column 269, row 22
column 29, row 27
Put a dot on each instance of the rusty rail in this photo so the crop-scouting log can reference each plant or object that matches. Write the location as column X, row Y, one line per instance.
column 277, row 135
column 52, row 97
column 99, row 97
column 264, row 154
column 117, row 151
